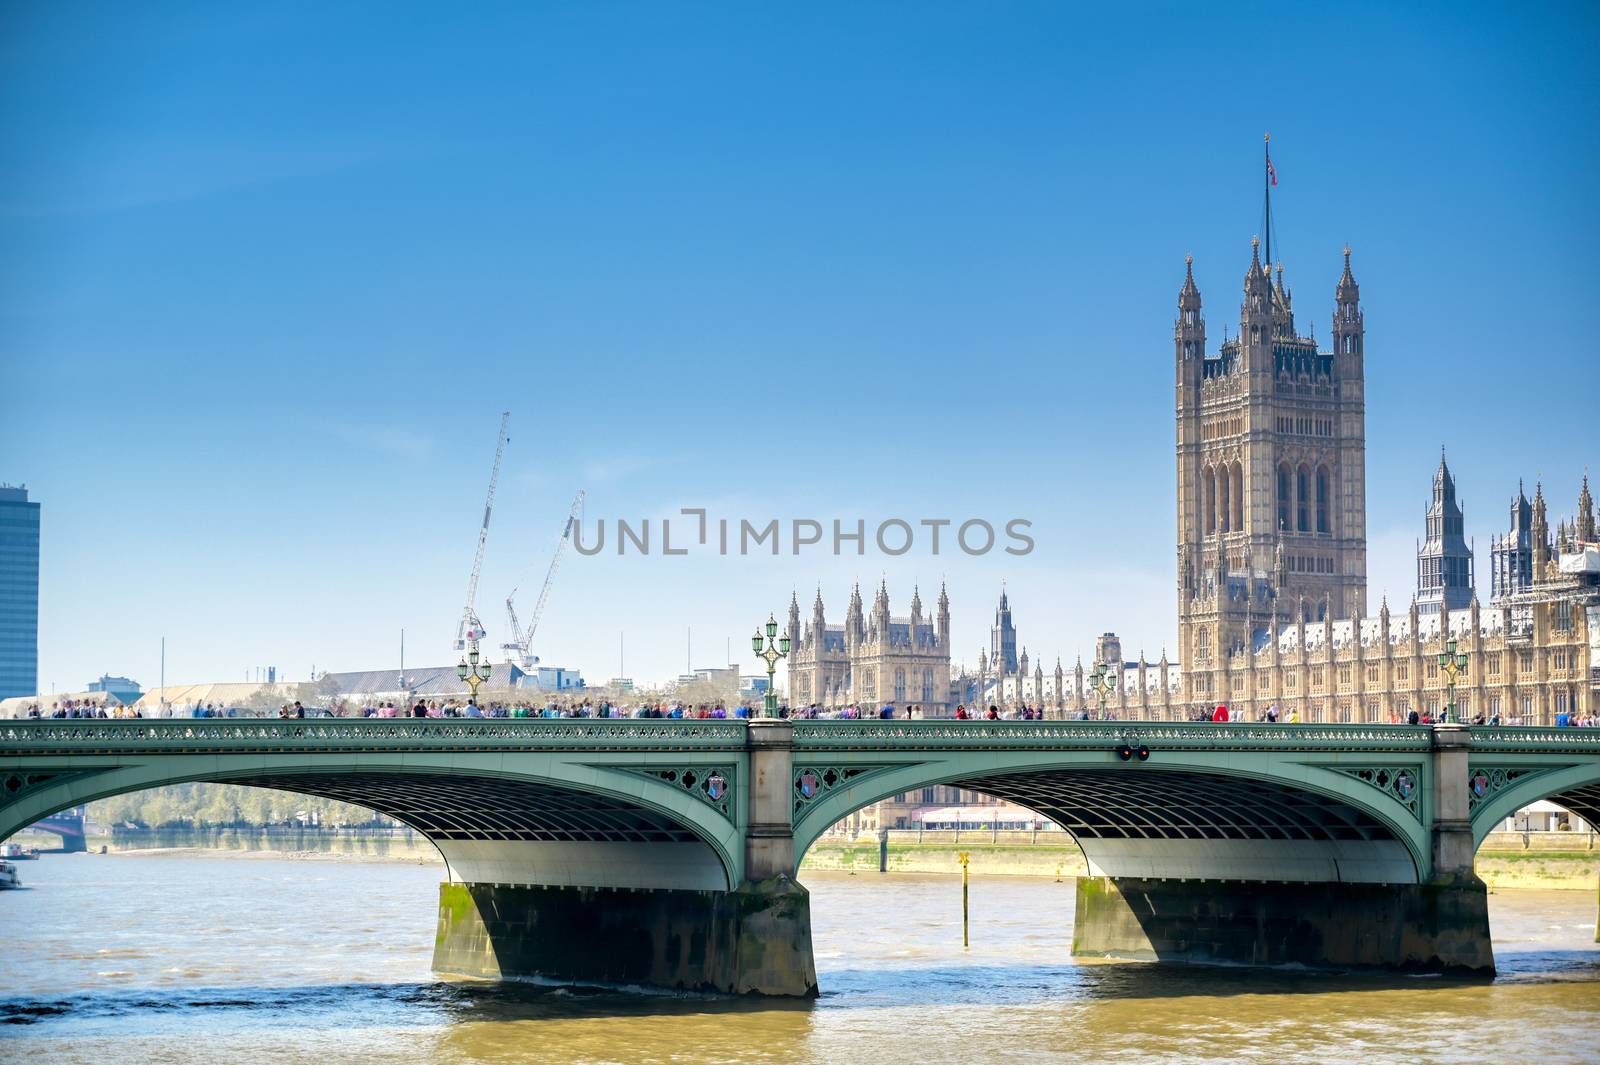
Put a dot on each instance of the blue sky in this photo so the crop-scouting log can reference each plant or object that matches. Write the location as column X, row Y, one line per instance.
column 270, row 274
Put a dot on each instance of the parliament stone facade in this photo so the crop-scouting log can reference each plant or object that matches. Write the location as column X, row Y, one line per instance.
column 1271, row 522
column 1272, row 569
column 873, row 658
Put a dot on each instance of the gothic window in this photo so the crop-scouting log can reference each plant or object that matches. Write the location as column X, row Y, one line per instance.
column 927, row 685
column 1237, row 521
column 1302, row 500
column 1283, row 498
column 1208, row 489
column 899, row 685
column 1563, row 616
column 1204, row 649
column 1224, row 506
column 1322, row 500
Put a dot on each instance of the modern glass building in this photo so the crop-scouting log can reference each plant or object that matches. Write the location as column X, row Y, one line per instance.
column 19, row 593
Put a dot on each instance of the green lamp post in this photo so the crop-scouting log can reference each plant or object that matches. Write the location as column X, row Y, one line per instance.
column 1104, row 682
column 474, row 672
column 1452, row 664
column 770, row 647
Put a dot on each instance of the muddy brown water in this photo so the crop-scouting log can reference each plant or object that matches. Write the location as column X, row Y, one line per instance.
column 131, row 958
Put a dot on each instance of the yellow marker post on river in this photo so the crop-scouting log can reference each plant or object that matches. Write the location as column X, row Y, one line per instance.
column 962, row 856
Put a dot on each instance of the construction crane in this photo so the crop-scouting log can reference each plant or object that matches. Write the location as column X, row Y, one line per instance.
column 522, row 644
column 470, row 630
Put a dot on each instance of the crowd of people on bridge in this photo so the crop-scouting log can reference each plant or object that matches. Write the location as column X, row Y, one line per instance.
column 603, row 708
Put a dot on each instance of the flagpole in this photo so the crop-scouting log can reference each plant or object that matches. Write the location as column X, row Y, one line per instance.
column 1266, row 190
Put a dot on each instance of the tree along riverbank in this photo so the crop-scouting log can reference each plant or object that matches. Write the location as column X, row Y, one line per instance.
column 1559, row 860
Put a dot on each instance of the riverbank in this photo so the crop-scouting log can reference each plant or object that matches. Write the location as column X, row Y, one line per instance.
column 432, row 858
column 1552, row 860
column 1544, row 860
column 406, row 847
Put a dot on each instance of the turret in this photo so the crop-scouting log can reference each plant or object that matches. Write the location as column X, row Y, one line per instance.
column 793, row 629
column 880, row 611
column 1541, row 534
column 1585, row 528
column 916, row 616
column 819, row 624
column 1348, row 326
column 854, row 627
column 942, row 620
column 1189, row 331
column 1255, row 314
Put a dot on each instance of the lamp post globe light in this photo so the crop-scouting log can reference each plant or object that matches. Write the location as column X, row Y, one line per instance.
column 471, row 670
column 770, row 647
column 1104, row 682
column 1452, row 664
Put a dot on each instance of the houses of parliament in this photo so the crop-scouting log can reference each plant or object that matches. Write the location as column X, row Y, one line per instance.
column 1272, row 555
column 1272, row 568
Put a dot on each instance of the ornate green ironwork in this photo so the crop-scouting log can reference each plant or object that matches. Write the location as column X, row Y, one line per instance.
column 814, row 781
column 1483, row 781
column 1507, row 739
column 1078, row 735
column 186, row 735
column 1402, row 783
column 713, row 784
column 367, row 734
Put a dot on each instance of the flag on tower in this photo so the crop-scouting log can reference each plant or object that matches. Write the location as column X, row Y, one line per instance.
column 1272, row 171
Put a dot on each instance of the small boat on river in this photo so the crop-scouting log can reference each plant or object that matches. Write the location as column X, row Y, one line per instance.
column 8, row 876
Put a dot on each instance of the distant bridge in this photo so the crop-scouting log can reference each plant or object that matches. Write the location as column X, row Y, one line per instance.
column 68, row 824
column 665, row 851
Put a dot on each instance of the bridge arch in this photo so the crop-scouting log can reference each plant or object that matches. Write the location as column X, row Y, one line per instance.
column 1575, row 787
column 1181, row 815
column 540, row 819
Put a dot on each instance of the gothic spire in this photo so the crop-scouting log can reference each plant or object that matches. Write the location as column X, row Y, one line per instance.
column 1585, row 522
column 1348, row 291
column 1189, row 295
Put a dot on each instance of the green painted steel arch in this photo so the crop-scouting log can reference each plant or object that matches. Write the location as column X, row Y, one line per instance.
column 85, row 779
column 1299, row 773
column 1547, row 785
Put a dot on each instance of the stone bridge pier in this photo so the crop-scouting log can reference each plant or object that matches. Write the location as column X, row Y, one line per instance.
column 634, row 922
column 1346, row 917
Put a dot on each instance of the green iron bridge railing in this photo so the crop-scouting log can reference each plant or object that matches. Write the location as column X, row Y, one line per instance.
column 146, row 735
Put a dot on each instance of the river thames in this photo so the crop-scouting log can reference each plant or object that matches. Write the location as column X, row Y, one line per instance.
column 199, row 959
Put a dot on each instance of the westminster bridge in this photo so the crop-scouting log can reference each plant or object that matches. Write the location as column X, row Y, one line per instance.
column 665, row 852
